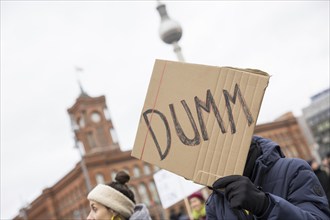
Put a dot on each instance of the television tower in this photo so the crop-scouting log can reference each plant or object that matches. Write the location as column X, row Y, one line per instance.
column 170, row 31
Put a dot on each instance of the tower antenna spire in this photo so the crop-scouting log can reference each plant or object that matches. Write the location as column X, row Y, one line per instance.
column 82, row 91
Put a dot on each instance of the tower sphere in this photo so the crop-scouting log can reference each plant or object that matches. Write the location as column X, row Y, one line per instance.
column 170, row 31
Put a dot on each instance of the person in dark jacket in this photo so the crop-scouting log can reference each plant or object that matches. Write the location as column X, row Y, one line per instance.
column 322, row 176
column 272, row 187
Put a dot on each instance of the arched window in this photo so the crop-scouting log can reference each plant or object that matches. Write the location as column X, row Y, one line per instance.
column 144, row 194
column 81, row 122
column 113, row 175
column 146, row 169
column 99, row 178
column 293, row 151
column 136, row 195
column 154, row 192
column 76, row 214
column 136, row 172
column 90, row 139
column 84, row 212
column 114, row 135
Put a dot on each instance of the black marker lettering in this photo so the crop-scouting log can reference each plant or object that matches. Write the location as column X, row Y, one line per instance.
column 206, row 106
column 178, row 128
column 168, row 132
column 246, row 109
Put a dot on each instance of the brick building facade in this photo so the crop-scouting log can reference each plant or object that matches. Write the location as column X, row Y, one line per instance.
column 287, row 133
column 102, row 159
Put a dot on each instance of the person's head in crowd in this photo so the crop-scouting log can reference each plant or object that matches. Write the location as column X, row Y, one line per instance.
column 197, row 204
column 326, row 160
column 196, row 201
column 112, row 202
column 314, row 164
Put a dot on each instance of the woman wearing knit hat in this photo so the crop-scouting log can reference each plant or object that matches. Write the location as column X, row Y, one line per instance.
column 197, row 204
column 115, row 201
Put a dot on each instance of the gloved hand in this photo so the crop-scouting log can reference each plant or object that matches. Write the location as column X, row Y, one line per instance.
column 243, row 194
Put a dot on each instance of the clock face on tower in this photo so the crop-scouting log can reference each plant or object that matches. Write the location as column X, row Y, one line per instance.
column 96, row 117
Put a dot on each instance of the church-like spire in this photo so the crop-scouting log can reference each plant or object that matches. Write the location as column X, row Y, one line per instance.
column 91, row 122
column 82, row 91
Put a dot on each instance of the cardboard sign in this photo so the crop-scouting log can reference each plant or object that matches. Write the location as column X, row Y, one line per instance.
column 198, row 120
column 173, row 188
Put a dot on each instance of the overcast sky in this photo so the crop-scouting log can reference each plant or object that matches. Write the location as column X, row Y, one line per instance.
column 116, row 43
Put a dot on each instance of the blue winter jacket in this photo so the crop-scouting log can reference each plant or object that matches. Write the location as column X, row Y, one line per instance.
column 294, row 190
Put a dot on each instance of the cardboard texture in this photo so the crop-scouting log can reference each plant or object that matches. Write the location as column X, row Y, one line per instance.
column 198, row 120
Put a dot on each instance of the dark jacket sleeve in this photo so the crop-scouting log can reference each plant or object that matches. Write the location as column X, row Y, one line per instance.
column 210, row 208
column 305, row 200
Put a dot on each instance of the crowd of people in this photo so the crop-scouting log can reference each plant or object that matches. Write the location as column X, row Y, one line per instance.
column 271, row 187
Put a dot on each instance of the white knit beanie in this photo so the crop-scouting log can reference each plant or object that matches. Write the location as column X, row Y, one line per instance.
column 113, row 199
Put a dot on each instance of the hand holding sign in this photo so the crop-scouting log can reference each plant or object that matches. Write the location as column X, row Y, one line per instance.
column 243, row 194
